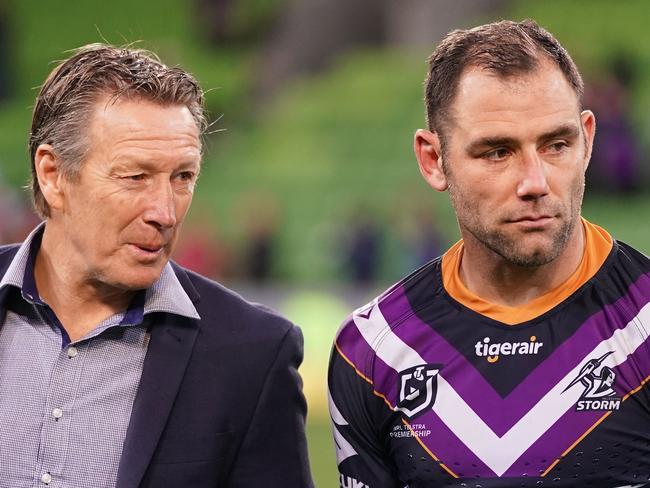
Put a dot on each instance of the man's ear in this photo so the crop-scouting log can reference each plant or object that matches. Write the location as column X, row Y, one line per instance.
column 50, row 178
column 588, row 121
column 429, row 155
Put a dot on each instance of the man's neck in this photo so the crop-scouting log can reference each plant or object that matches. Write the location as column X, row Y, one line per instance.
column 78, row 302
column 498, row 281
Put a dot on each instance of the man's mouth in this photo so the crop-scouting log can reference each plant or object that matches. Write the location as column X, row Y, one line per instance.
column 532, row 222
column 147, row 250
column 532, row 218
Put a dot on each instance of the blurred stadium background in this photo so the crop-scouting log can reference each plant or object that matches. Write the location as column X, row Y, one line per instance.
column 310, row 199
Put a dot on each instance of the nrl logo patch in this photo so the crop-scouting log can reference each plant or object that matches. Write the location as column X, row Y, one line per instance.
column 417, row 389
column 598, row 394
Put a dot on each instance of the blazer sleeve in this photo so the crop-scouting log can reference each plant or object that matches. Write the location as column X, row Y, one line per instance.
column 274, row 450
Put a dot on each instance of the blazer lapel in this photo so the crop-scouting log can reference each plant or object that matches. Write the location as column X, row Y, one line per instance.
column 170, row 347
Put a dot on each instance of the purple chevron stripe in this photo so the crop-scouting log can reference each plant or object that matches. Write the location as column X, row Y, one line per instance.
column 630, row 374
column 450, row 450
column 568, row 429
column 386, row 381
column 460, row 373
column 395, row 306
column 456, row 455
column 442, row 442
column 471, row 385
column 573, row 425
column 479, row 395
column 354, row 347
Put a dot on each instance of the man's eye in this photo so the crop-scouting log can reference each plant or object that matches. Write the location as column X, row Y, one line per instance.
column 186, row 176
column 557, row 147
column 136, row 177
column 497, row 154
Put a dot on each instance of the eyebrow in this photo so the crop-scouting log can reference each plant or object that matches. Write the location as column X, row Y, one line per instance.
column 127, row 164
column 568, row 131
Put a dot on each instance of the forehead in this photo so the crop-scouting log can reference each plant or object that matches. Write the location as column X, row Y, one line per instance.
column 519, row 105
column 111, row 113
column 142, row 129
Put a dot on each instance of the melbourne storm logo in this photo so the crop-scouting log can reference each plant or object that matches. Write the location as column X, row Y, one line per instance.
column 598, row 394
column 417, row 389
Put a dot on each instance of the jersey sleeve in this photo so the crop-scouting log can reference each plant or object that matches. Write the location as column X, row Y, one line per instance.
column 358, row 416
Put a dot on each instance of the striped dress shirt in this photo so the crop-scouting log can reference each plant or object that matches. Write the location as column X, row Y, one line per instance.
column 65, row 405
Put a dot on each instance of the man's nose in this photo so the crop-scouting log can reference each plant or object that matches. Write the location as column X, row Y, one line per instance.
column 160, row 208
column 533, row 182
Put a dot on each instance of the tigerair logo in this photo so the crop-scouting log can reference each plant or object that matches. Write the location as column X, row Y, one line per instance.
column 492, row 351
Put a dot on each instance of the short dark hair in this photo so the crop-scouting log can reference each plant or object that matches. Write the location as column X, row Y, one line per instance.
column 505, row 48
column 66, row 99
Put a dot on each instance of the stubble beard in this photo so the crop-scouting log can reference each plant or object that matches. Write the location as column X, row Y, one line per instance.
column 507, row 246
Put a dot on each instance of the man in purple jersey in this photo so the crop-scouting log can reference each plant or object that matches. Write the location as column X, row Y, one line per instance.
column 518, row 358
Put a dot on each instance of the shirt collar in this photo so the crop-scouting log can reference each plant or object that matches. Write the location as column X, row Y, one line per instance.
column 166, row 295
column 15, row 274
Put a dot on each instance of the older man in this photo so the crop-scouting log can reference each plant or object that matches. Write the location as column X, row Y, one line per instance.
column 118, row 367
column 519, row 358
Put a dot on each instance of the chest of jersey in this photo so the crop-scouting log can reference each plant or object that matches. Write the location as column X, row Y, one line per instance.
column 560, row 401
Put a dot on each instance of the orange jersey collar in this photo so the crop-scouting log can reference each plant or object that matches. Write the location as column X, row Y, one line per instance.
column 598, row 244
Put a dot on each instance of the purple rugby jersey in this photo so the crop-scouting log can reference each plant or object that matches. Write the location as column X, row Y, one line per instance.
column 425, row 392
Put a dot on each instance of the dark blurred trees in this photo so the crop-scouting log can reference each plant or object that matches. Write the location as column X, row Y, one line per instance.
column 305, row 36
column 311, row 34
column 237, row 22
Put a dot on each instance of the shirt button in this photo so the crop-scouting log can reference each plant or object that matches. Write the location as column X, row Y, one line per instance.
column 46, row 478
column 72, row 351
column 57, row 413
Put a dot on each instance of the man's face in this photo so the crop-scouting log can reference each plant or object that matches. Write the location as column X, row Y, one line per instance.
column 122, row 216
column 514, row 163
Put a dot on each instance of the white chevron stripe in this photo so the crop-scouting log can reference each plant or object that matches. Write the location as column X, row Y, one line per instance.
column 499, row 453
column 344, row 449
column 335, row 413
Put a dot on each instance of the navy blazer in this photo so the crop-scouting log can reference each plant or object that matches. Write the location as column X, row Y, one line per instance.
column 220, row 401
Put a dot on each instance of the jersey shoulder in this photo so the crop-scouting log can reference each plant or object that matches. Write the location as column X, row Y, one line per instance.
column 631, row 257
column 362, row 331
column 626, row 272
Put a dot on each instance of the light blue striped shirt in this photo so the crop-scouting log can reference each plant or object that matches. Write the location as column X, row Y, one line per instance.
column 65, row 406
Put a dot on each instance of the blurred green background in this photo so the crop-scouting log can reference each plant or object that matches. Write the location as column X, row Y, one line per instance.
column 314, row 109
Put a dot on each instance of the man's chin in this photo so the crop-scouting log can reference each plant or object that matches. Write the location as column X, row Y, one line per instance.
column 134, row 280
column 533, row 254
column 141, row 282
column 531, row 260
column 528, row 251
